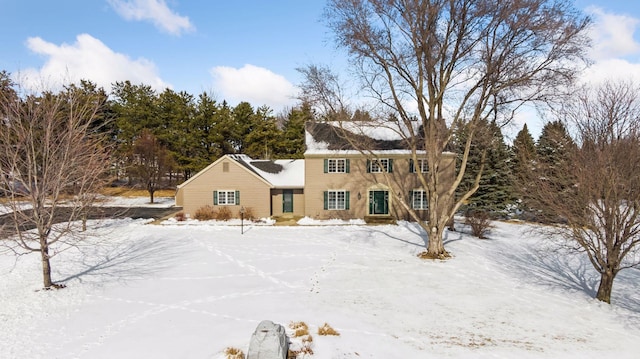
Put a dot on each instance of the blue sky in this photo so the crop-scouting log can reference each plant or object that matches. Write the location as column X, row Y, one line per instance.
column 236, row 49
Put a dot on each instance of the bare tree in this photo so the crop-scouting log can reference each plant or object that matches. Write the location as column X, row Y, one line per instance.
column 602, row 207
column 52, row 159
column 151, row 161
column 450, row 64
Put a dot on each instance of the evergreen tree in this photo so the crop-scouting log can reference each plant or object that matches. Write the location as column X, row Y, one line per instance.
column 553, row 150
column 243, row 125
column 207, row 136
column 265, row 135
column 524, row 162
column 177, row 111
column 554, row 145
column 293, row 143
column 135, row 108
column 524, row 150
column 496, row 182
column 226, row 127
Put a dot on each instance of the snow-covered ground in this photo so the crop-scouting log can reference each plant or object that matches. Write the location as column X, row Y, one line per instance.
column 137, row 290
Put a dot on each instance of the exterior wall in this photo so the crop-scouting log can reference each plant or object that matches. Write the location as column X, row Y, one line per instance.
column 298, row 202
column 254, row 192
column 358, row 182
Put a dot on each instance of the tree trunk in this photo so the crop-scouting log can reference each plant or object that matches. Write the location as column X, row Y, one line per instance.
column 435, row 249
column 606, row 286
column 46, row 266
column 151, row 195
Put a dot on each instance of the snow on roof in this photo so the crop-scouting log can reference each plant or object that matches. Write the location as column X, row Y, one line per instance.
column 280, row 173
column 340, row 138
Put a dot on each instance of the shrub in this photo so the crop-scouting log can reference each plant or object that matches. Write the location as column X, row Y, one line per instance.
column 326, row 329
column 479, row 222
column 248, row 214
column 233, row 353
column 299, row 329
column 180, row 217
column 224, row 214
column 305, row 350
column 205, row 213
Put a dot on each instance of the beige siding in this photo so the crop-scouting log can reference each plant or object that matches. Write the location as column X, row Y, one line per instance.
column 359, row 183
column 254, row 192
column 298, row 202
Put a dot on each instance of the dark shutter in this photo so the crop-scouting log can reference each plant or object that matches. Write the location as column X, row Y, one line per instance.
column 326, row 165
column 368, row 166
column 347, row 165
column 412, row 166
column 215, row 198
column 237, row 197
column 326, row 200
column 390, row 165
column 346, row 200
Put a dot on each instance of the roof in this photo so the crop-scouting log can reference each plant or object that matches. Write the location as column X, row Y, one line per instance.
column 352, row 138
column 279, row 173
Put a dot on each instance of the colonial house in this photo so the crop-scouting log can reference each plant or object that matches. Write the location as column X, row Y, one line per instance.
column 336, row 179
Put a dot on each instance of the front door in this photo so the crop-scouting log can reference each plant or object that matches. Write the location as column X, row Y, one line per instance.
column 378, row 202
column 287, row 201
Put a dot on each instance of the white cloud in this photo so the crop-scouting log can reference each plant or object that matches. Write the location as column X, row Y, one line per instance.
column 87, row 59
column 253, row 84
column 612, row 34
column 613, row 70
column 155, row 11
column 614, row 51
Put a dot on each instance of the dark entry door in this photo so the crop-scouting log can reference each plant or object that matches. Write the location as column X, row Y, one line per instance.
column 379, row 202
column 287, row 201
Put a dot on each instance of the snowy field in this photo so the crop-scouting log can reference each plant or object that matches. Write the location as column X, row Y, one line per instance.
column 136, row 290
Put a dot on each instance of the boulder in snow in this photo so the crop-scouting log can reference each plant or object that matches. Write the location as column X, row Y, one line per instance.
column 269, row 341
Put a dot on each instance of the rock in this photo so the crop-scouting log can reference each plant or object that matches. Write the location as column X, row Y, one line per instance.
column 269, row 341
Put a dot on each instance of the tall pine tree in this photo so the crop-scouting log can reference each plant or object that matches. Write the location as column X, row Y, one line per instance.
column 495, row 193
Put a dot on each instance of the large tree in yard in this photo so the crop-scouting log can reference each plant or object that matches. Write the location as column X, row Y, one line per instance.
column 435, row 66
column 151, row 161
column 53, row 159
column 600, row 209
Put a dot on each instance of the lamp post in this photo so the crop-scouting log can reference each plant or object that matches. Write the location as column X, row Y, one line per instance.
column 242, row 220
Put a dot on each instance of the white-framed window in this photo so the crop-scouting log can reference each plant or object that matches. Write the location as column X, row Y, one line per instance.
column 419, row 199
column 226, row 197
column 380, row 165
column 336, row 200
column 336, row 165
column 421, row 166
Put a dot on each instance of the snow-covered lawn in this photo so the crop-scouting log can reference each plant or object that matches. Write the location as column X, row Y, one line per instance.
column 136, row 290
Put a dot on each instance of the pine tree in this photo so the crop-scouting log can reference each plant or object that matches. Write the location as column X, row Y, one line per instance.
column 293, row 144
column 495, row 193
column 524, row 162
column 264, row 136
column 207, row 136
column 553, row 150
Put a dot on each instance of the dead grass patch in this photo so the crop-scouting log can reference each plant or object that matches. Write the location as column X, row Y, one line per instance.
column 326, row 329
column 302, row 344
column 233, row 353
column 136, row 192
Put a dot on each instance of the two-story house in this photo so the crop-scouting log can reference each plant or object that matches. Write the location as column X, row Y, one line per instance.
column 344, row 174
